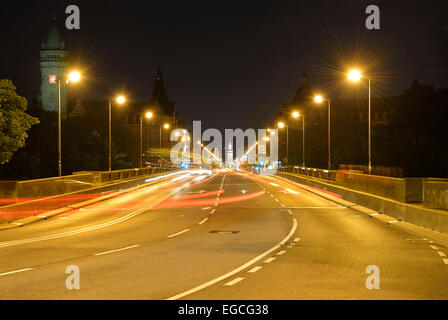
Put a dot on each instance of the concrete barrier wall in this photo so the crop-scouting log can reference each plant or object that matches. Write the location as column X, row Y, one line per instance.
column 409, row 190
column 67, row 184
column 435, row 220
column 435, row 194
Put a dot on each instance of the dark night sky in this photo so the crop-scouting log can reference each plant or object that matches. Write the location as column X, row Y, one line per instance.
column 230, row 63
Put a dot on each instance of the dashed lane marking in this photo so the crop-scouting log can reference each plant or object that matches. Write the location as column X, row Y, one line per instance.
column 441, row 253
column 234, row 281
column 116, row 250
column 255, row 269
column 282, row 205
column 281, row 252
column 213, row 211
column 269, row 260
column 445, row 261
column 434, row 247
column 204, row 220
column 296, row 239
column 178, row 233
column 290, row 212
column 206, row 208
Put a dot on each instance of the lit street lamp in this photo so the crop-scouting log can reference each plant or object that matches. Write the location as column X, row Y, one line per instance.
column 296, row 115
column 119, row 100
column 73, row 76
column 282, row 125
column 320, row 99
column 355, row 76
column 148, row 115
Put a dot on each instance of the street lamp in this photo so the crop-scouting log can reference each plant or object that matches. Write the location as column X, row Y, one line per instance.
column 297, row 115
column 148, row 115
column 282, row 125
column 355, row 75
column 73, row 76
column 320, row 99
column 119, row 100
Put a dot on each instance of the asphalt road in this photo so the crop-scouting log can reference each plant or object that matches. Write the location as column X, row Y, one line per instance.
column 228, row 236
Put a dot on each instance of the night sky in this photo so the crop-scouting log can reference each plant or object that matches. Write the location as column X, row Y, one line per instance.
column 230, row 63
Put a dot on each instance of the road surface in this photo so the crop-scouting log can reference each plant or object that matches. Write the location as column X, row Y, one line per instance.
column 226, row 236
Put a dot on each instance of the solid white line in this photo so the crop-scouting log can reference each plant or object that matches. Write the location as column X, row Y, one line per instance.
column 213, row 211
column 236, row 280
column 234, row 271
column 116, row 250
column 441, row 253
column 255, row 269
column 15, row 271
column 176, row 234
column 269, row 260
column 281, row 252
column 434, row 247
column 203, row 221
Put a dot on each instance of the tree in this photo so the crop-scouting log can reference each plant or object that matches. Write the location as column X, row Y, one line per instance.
column 14, row 122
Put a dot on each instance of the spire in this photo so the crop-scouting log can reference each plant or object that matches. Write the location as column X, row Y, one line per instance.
column 303, row 92
column 53, row 40
column 159, row 96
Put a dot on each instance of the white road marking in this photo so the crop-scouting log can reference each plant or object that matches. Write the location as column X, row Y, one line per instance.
column 87, row 229
column 434, row 247
column 271, row 195
column 15, row 271
column 289, row 247
column 269, row 260
column 296, row 239
column 281, row 252
column 445, row 261
column 206, row 208
column 290, row 212
column 291, row 191
column 236, row 280
column 255, row 269
column 441, row 253
column 203, row 221
column 374, row 214
column 178, row 233
column 240, row 268
column 393, row 221
column 282, row 205
column 116, row 250
column 63, row 218
column 213, row 211
column 273, row 184
column 277, row 200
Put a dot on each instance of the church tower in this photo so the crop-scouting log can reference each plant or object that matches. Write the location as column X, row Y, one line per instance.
column 53, row 64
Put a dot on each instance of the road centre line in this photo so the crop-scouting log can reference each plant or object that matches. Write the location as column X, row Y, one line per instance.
column 116, row 250
column 213, row 211
column 204, row 220
column 240, row 268
column 178, row 233
column 15, row 271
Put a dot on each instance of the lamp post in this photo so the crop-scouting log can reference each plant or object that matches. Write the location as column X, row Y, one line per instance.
column 165, row 126
column 73, row 76
column 119, row 100
column 148, row 115
column 282, row 125
column 355, row 75
column 296, row 115
column 320, row 99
